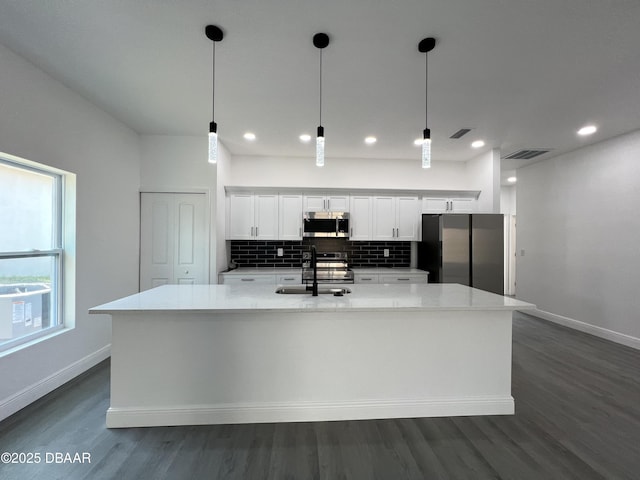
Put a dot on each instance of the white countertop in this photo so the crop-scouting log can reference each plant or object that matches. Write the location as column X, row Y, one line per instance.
column 262, row 298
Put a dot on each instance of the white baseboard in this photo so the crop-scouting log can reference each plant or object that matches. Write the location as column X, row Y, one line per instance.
column 30, row 394
column 306, row 412
column 607, row 334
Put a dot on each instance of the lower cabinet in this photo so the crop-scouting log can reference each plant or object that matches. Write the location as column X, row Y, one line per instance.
column 235, row 279
column 390, row 278
column 277, row 279
column 409, row 278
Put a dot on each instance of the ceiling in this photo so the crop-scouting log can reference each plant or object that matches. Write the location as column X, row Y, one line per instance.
column 520, row 74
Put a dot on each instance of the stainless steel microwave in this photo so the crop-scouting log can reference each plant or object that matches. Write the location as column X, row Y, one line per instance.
column 325, row 224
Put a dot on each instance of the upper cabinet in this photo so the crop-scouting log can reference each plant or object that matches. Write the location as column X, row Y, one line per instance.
column 395, row 218
column 252, row 217
column 326, row 203
column 290, row 215
column 448, row 205
column 360, row 217
column 276, row 214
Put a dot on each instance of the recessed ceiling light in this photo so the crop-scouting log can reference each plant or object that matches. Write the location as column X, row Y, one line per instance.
column 477, row 144
column 370, row 140
column 587, row 130
column 249, row 136
column 417, row 142
column 305, row 137
column 512, row 179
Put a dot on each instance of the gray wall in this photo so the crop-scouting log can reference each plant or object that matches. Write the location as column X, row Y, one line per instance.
column 579, row 226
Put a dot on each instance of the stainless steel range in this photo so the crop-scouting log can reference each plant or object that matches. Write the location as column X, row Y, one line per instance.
column 332, row 267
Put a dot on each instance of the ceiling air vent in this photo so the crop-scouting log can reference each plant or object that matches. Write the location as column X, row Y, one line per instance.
column 526, row 154
column 460, row 133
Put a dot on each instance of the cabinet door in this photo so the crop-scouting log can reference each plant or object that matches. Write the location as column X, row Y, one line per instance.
column 462, row 205
column 315, row 203
column 241, row 215
column 339, row 203
column 384, row 218
column 266, row 217
column 290, row 217
column 407, row 218
column 435, row 205
column 360, row 217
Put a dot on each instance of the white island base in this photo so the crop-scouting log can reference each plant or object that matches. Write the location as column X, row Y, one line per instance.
column 216, row 354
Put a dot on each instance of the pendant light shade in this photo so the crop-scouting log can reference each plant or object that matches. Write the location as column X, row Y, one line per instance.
column 320, row 41
column 214, row 34
column 425, row 46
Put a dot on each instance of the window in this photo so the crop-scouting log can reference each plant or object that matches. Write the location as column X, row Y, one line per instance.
column 30, row 252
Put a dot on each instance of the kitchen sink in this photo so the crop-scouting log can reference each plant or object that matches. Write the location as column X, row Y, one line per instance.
column 338, row 292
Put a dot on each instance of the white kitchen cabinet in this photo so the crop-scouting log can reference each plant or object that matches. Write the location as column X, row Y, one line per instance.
column 289, row 279
column 448, row 205
column 371, row 278
column 360, row 217
column 395, row 218
column 326, row 203
column 403, row 278
column 248, row 279
column 252, row 217
column 290, row 217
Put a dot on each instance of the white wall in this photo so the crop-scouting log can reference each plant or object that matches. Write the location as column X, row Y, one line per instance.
column 508, row 200
column 345, row 173
column 43, row 121
column 579, row 226
column 180, row 162
column 483, row 173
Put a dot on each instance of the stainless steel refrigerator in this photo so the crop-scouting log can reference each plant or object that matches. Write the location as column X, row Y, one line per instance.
column 464, row 248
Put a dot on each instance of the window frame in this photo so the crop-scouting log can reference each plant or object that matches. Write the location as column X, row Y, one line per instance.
column 57, row 253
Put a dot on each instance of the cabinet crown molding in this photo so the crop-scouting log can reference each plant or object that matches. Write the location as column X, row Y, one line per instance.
column 352, row 191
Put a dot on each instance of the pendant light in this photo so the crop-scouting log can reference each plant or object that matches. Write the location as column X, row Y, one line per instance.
column 425, row 46
column 320, row 41
column 214, row 34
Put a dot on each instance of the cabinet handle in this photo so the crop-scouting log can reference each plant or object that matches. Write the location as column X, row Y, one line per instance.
column 366, row 279
column 256, row 231
column 247, row 279
column 403, row 279
column 289, row 279
column 252, row 231
column 351, row 232
column 299, row 231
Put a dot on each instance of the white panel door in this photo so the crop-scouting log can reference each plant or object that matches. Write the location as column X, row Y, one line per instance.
column 241, row 217
column 360, row 217
column 266, row 217
column 290, row 217
column 174, row 241
column 315, row 203
column 384, row 218
column 407, row 215
column 338, row 203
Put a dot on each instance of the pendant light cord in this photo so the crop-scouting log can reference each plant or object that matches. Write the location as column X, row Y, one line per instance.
column 213, row 84
column 426, row 89
column 320, row 87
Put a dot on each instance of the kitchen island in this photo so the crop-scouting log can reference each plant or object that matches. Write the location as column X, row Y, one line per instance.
column 215, row 354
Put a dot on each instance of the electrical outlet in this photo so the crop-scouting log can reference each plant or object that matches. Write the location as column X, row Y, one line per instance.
column 386, row 252
column 280, row 252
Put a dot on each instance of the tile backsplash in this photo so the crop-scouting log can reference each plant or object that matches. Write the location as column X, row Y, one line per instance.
column 264, row 254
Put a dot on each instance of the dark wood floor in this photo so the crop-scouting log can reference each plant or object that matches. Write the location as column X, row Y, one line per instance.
column 577, row 417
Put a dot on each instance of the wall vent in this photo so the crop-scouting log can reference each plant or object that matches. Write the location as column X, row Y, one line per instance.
column 460, row 133
column 526, row 154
